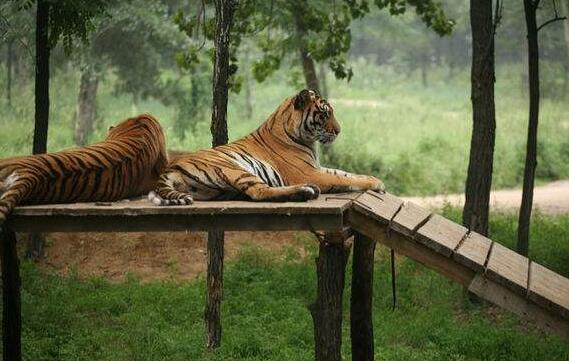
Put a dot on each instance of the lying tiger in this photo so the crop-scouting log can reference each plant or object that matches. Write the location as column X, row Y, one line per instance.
column 128, row 163
column 277, row 162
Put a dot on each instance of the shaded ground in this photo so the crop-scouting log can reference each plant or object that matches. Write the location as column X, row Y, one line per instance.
column 181, row 256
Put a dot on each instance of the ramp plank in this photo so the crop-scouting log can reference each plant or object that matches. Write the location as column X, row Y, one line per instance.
column 473, row 251
column 549, row 289
column 441, row 235
column 381, row 207
column 508, row 268
column 409, row 218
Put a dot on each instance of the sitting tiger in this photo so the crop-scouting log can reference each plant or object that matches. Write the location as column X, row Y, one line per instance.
column 277, row 162
column 128, row 163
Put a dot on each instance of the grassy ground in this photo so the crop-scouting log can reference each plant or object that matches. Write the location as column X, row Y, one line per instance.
column 265, row 314
column 417, row 138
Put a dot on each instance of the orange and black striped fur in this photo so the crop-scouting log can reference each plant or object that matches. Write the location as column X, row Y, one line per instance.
column 128, row 163
column 277, row 162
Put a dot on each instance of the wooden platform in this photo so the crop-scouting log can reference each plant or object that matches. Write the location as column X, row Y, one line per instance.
column 484, row 267
column 323, row 214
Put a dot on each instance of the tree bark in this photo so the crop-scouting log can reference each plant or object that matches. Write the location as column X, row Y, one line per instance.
column 327, row 311
column 308, row 67
column 86, row 106
column 42, row 78
column 531, row 149
column 479, row 177
column 9, row 57
column 224, row 10
column 11, row 307
column 324, row 90
column 361, row 324
column 223, row 21
column 215, row 245
column 565, row 10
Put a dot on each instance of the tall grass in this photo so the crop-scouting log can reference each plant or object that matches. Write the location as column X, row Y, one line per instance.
column 265, row 315
column 417, row 138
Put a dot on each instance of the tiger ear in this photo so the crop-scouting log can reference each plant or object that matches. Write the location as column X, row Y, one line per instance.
column 302, row 99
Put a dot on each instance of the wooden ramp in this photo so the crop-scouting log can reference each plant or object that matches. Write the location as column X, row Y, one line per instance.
column 486, row 268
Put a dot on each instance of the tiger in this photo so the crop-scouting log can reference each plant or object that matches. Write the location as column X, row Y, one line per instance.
column 276, row 162
column 126, row 164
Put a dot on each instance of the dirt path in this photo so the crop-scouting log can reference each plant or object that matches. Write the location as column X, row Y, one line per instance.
column 552, row 198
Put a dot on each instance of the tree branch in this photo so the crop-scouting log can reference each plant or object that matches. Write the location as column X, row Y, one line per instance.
column 557, row 18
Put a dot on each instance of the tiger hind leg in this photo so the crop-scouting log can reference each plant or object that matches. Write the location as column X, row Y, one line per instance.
column 168, row 193
column 258, row 190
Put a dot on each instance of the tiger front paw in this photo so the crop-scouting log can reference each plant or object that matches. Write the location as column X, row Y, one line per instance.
column 377, row 185
column 306, row 192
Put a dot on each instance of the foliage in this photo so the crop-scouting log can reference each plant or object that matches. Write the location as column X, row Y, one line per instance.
column 281, row 27
column 265, row 315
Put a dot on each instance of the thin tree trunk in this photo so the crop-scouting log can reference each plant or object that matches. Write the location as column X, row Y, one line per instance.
column 531, row 150
column 479, row 178
column 309, row 70
column 565, row 10
column 9, row 57
column 308, row 67
column 42, row 78
column 324, row 90
column 86, row 107
column 224, row 10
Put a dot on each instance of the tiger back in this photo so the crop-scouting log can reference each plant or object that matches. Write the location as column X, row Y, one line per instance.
column 126, row 164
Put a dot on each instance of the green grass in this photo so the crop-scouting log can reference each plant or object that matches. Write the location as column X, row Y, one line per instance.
column 265, row 314
column 417, row 139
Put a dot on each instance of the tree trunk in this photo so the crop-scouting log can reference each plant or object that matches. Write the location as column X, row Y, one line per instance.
column 86, row 106
column 308, row 67
column 224, row 10
column 42, row 78
column 479, row 178
column 424, row 66
column 11, row 298
column 531, row 150
column 324, row 90
column 9, row 57
column 565, row 10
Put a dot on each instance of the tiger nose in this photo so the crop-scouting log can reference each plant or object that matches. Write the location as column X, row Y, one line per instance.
column 336, row 130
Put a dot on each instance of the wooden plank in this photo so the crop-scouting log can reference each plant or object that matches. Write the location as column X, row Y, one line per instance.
column 409, row 218
column 381, row 207
column 509, row 300
column 549, row 289
column 508, row 268
column 175, row 223
column 473, row 251
column 441, row 235
column 323, row 205
column 404, row 245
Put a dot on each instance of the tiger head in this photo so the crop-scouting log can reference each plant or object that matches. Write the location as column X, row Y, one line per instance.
column 316, row 121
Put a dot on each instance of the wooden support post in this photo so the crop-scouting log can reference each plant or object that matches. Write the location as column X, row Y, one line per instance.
column 361, row 325
column 11, row 311
column 212, row 315
column 327, row 311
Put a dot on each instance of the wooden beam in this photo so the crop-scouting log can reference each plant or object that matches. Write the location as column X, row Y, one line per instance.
column 11, row 310
column 509, row 300
column 361, row 325
column 175, row 223
column 327, row 311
